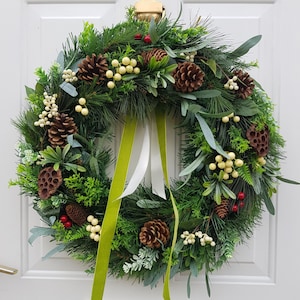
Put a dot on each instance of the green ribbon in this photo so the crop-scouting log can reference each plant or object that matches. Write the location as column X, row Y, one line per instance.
column 162, row 140
column 112, row 209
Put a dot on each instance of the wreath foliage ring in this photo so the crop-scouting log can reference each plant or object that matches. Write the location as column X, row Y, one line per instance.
column 229, row 155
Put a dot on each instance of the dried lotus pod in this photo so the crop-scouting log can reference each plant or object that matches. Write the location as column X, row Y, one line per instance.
column 49, row 181
column 154, row 234
column 259, row 139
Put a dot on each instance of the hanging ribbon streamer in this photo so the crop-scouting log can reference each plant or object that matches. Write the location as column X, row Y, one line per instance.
column 162, row 140
column 112, row 209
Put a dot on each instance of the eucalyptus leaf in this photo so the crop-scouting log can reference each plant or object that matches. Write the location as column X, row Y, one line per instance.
column 147, row 203
column 61, row 60
column 246, row 108
column 153, row 32
column 269, row 205
column 211, row 63
column 57, row 249
column 74, row 143
column 37, row 232
column 170, row 52
column 29, row 91
column 193, row 166
column 94, row 165
column 287, row 180
column 69, row 89
column 246, row 46
column 187, row 96
column 206, row 131
column 207, row 94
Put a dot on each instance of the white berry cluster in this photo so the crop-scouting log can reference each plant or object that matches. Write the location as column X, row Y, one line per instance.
column 51, row 110
column 69, row 76
column 189, row 56
column 227, row 165
column 261, row 160
column 231, row 84
column 127, row 66
column 190, row 238
column 235, row 119
column 81, row 107
column 94, row 228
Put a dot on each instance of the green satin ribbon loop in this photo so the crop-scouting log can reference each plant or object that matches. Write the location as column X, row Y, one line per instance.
column 162, row 139
column 112, row 209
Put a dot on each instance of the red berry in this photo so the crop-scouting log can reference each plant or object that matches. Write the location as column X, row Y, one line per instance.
column 147, row 39
column 63, row 218
column 138, row 36
column 235, row 208
column 68, row 224
column 241, row 196
column 241, row 204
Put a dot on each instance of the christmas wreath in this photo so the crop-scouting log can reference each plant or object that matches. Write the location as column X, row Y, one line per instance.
column 142, row 75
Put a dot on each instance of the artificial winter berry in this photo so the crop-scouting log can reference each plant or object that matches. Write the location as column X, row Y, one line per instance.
column 235, row 208
column 147, row 39
column 241, row 204
column 138, row 36
column 63, row 218
column 68, row 224
column 241, row 196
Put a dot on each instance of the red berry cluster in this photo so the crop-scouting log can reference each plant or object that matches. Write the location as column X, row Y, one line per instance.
column 146, row 39
column 240, row 203
column 66, row 221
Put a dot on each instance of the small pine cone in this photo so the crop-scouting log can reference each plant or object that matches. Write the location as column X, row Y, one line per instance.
column 154, row 233
column 259, row 140
column 245, row 84
column 222, row 209
column 93, row 68
column 49, row 181
column 188, row 77
column 158, row 53
column 76, row 213
column 60, row 128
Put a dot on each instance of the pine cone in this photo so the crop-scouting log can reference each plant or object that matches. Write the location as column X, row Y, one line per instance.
column 188, row 77
column 49, row 181
column 222, row 209
column 245, row 84
column 76, row 213
column 154, row 233
column 159, row 54
column 259, row 140
column 93, row 68
column 61, row 127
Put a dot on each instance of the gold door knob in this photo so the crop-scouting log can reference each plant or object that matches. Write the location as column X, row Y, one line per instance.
column 8, row 270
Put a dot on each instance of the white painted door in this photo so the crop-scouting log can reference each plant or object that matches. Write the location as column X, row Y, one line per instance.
column 32, row 32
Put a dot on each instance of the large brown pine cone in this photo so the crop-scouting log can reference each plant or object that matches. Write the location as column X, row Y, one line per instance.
column 259, row 139
column 154, row 234
column 222, row 209
column 76, row 213
column 60, row 128
column 245, row 84
column 93, row 68
column 188, row 77
column 158, row 53
column 49, row 181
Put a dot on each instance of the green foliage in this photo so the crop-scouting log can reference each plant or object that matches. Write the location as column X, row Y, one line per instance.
column 237, row 141
column 73, row 233
column 61, row 158
column 87, row 190
column 126, row 234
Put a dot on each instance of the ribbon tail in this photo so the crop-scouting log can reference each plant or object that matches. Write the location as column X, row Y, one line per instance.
column 157, row 175
column 141, row 167
column 162, row 139
column 112, row 209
